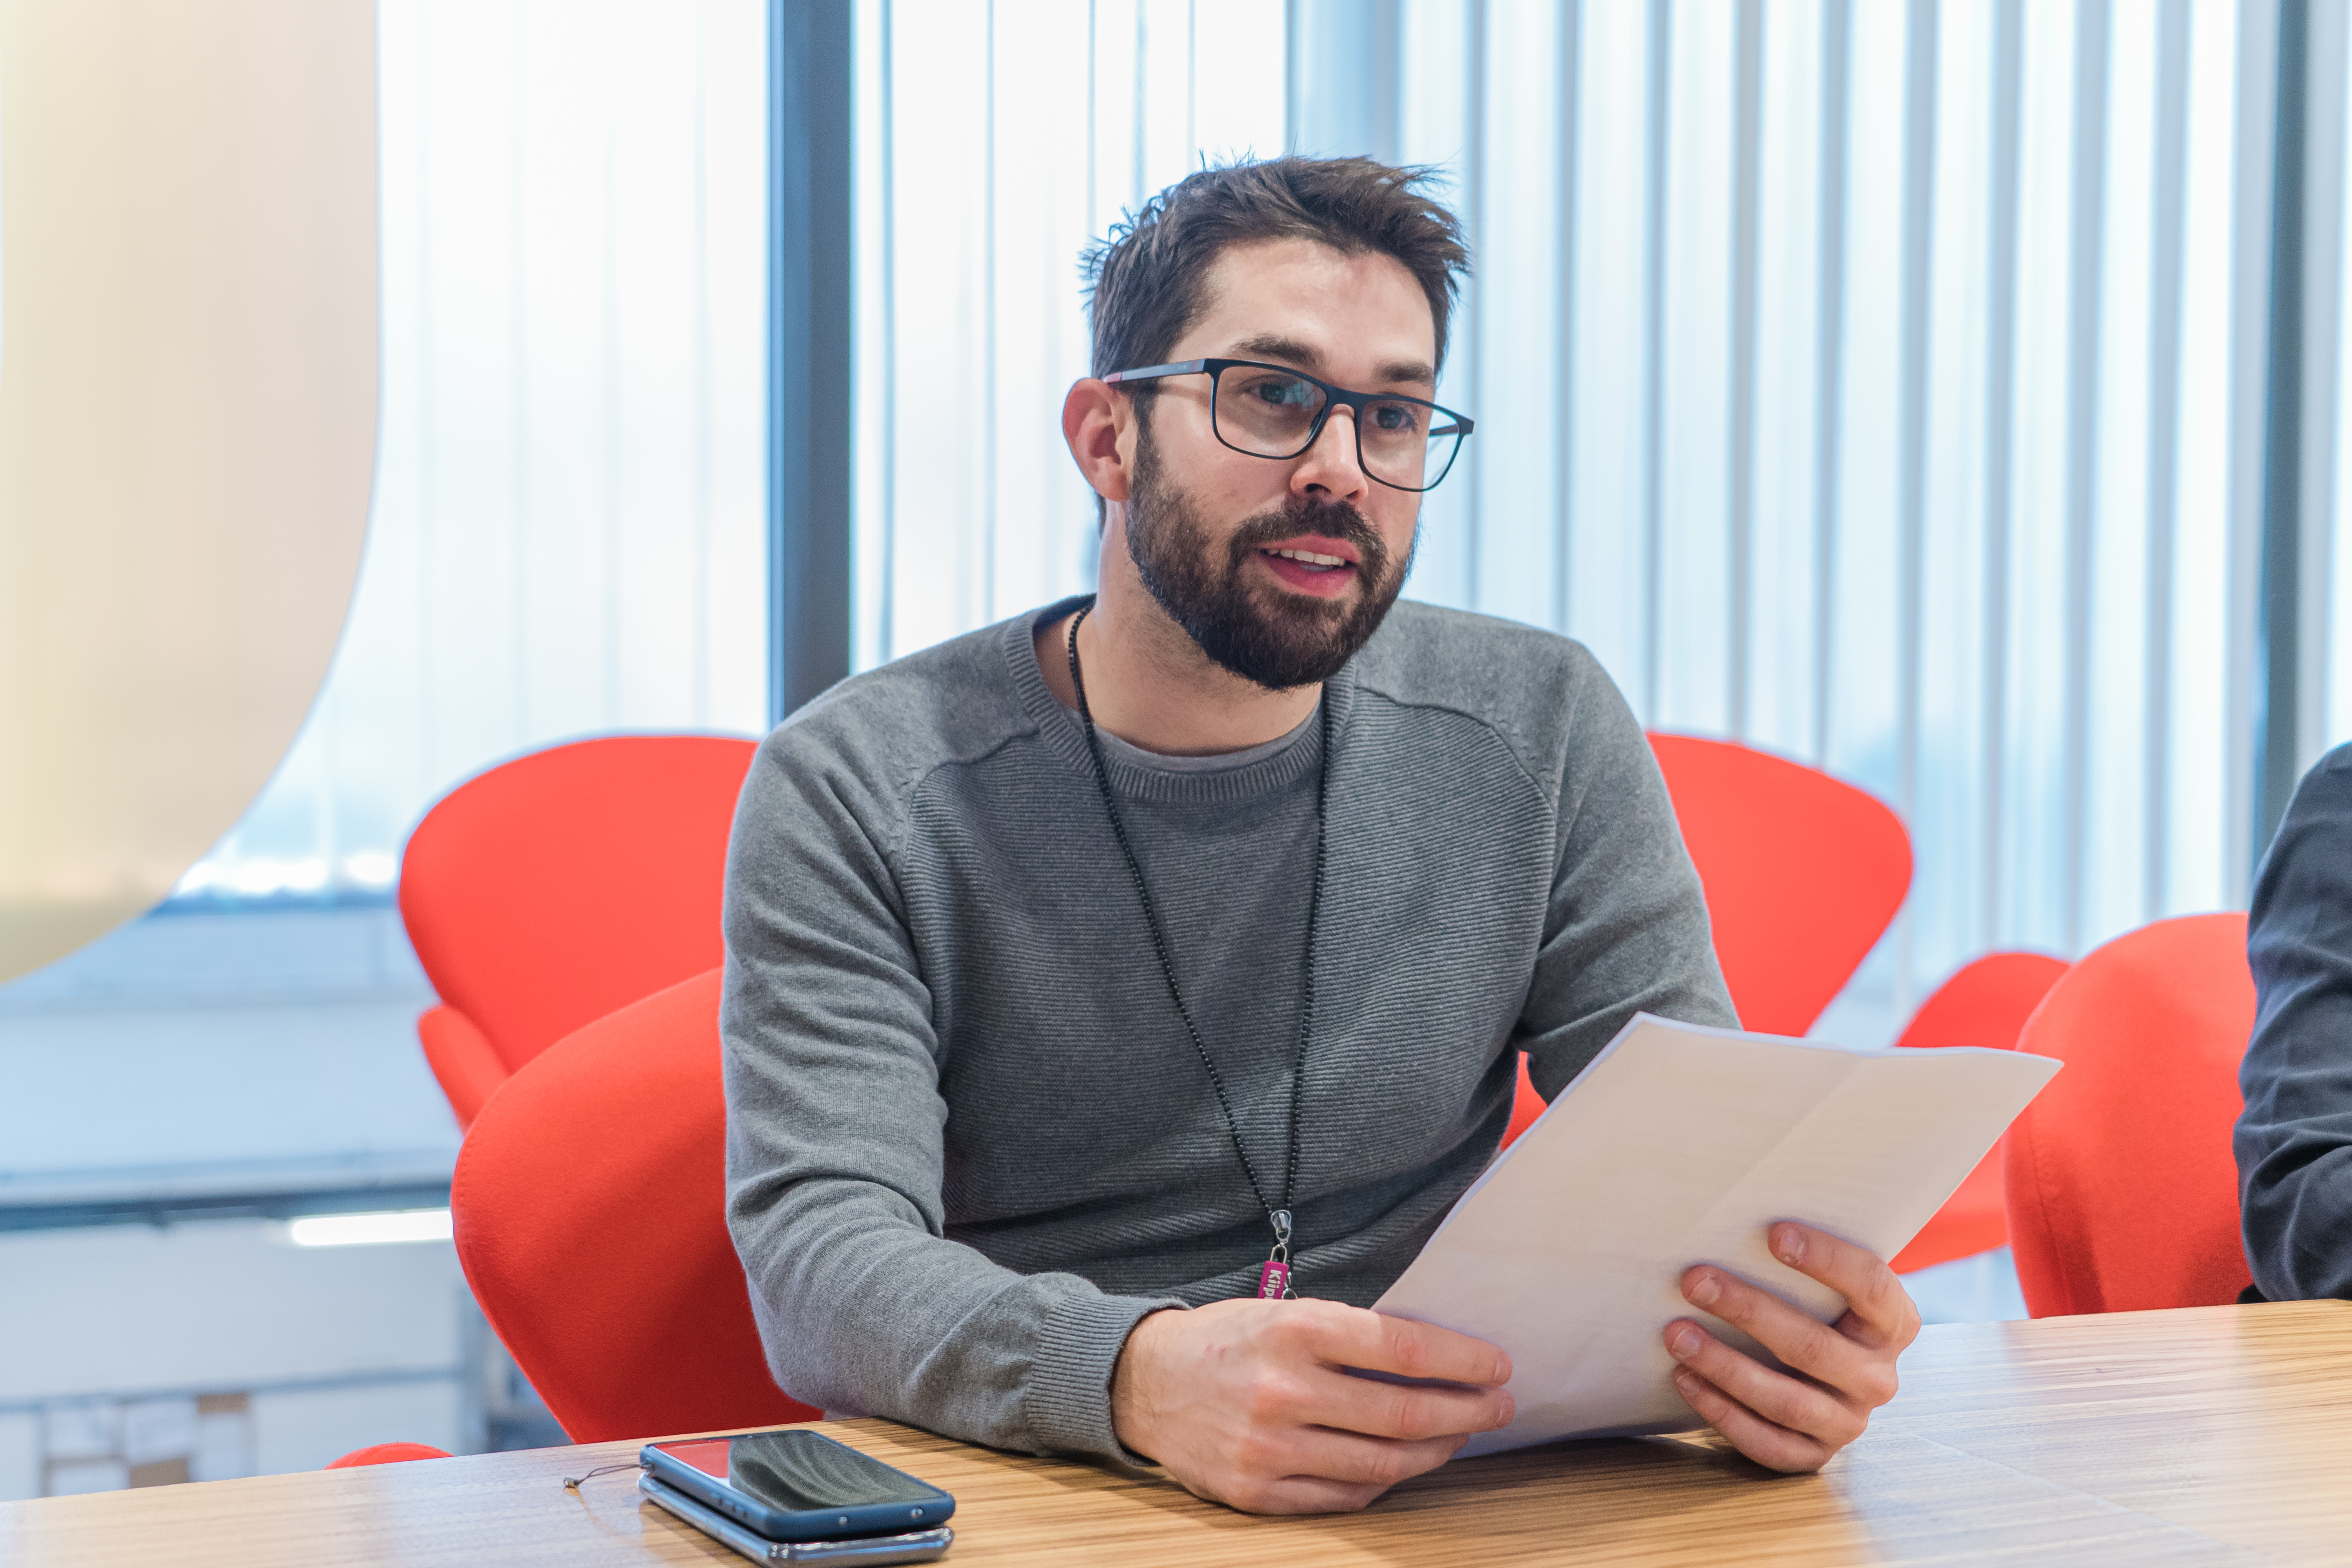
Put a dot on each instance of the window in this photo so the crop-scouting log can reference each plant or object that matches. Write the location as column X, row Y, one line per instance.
column 1878, row 385
column 569, row 531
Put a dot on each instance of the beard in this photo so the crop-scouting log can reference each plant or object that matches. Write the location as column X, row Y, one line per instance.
column 1275, row 638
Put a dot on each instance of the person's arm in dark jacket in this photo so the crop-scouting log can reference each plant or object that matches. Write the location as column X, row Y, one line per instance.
column 2295, row 1140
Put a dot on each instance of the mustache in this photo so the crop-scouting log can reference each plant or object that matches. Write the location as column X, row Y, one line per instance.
column 1304, row 514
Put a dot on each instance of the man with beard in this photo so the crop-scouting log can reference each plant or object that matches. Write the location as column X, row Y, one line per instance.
column 1101, row 980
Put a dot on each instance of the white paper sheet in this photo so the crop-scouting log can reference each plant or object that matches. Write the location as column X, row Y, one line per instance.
column 1679, row 1145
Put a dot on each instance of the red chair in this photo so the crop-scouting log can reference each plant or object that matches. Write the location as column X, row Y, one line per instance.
column 554, row 888
column 387, row 1454
column 1986, row 1002
column 590, row 1207
column 1804, row 873
column 2123, row 1192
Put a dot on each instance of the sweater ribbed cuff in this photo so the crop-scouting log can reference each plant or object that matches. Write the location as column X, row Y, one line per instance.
column 1067, row 1402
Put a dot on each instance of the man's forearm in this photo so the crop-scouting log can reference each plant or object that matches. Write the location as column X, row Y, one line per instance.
column 862, row 1309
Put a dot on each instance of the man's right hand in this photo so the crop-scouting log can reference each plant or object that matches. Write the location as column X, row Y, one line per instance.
column 1245, row 1404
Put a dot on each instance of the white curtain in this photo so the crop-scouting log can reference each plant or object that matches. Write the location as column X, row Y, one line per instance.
column 993, row 140
column 1881, row 384
column 569, row 530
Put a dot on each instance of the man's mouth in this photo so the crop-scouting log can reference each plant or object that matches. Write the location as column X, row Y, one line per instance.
column 1309, row 558
column 1312, row 572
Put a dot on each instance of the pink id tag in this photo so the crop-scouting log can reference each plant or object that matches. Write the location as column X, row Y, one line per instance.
column 1272, row 1280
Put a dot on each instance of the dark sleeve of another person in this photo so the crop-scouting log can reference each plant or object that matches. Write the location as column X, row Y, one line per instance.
column 2295, row 1140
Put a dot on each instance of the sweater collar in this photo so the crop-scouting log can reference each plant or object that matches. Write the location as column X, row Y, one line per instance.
column 1132, row 776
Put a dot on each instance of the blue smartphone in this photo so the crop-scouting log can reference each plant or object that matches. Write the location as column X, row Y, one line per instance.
column 797, row 1485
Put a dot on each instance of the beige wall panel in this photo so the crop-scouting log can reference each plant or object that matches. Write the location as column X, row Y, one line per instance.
column 188, row 426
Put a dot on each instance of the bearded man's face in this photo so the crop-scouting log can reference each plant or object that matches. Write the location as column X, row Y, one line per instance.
column 1279, row 567
column 1249, row 619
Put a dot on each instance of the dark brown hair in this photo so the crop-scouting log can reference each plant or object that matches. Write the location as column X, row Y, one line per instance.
column 1144, row 283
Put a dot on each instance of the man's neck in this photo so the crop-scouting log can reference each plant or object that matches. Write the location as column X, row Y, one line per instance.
column 1148, row 683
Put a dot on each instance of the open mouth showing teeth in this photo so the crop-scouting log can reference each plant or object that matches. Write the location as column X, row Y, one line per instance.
column 1308, row 558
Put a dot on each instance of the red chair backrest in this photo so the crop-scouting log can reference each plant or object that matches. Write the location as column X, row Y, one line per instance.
column 2123, row 1192
column 555, row 888
column 1985, row 1003
column 589, row 1205
column 1804, row 873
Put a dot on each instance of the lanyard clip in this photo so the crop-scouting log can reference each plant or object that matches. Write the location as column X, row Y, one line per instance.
column 1274, row 1275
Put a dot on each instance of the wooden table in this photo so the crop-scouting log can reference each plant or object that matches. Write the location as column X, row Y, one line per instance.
column 2213, row 1434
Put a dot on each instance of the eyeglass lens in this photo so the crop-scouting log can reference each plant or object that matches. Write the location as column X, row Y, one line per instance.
column 1272, row 415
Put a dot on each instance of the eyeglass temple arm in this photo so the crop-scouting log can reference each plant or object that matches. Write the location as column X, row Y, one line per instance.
column 1153, row 372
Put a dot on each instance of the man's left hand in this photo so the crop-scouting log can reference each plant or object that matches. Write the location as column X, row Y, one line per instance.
column 1842, row 1371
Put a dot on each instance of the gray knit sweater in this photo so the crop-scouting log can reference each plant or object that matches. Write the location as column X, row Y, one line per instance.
column 968, row 1143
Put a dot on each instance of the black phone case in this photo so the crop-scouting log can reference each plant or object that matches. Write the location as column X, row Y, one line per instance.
column 854, row 1522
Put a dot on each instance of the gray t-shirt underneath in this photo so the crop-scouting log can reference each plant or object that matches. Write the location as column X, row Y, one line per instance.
column 968, row 1142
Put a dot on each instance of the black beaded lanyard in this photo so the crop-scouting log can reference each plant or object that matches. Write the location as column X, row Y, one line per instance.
column 1274, row 1278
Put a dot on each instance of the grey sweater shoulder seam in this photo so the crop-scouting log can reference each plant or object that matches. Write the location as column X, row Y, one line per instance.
column 1514, row 744
column 902, row 805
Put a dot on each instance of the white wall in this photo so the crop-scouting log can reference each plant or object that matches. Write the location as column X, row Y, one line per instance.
column 240, row 1053
column 20, row 1454
column 303, row 1429
column 338, row 1347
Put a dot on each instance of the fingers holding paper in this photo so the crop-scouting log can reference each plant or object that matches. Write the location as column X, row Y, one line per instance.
column 1253, row 1404
column 1839, row 1373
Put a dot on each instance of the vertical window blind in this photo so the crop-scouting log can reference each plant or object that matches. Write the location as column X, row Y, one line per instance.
column 994, row 141
column 1868, row 382
column 1881, row 384
column 569, row 528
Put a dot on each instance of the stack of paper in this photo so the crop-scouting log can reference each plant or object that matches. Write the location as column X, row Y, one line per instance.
column 1680, row 1145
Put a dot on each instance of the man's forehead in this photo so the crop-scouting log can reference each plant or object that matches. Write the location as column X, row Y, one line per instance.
column 1306, row 303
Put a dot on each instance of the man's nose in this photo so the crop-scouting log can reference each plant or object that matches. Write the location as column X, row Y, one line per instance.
column 1330, row 464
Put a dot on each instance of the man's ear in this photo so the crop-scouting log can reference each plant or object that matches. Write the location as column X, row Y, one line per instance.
column 1095, row 422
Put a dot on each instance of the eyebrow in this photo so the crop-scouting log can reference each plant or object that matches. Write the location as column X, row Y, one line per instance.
column 1272, row 345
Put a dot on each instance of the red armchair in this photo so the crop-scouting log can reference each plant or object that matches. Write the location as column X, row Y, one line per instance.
column 1804, row 873
column 590, row 1203
column 2123, row 1190
column 552, row 889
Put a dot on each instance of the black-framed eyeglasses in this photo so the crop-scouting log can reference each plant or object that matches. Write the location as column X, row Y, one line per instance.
column 1273, row 411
